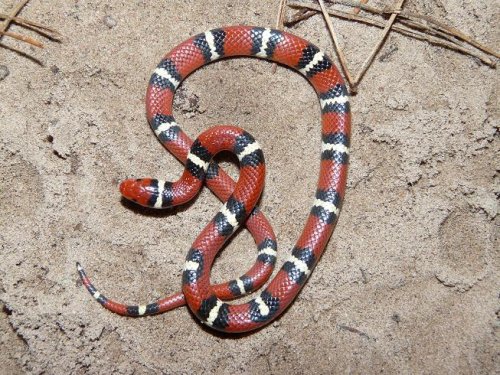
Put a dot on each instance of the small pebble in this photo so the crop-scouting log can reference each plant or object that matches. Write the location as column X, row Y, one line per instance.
column 396, row 317
column 4, row 72
column 109, row 22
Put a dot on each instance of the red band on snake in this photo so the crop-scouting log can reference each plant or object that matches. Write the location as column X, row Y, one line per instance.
column 203, row 298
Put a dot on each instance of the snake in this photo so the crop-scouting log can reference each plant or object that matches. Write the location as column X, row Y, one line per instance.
column 209, row 302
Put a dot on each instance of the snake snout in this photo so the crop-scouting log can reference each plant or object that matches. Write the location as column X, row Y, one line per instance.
column 133, row 189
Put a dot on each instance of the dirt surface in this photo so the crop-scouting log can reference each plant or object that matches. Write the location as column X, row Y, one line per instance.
column 410, row 280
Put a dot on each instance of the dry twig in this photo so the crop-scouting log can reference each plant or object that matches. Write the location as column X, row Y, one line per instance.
column 420, row 20
column 412, row 25
column 377, row 47
column 5, row 24
column 37, row 27
column 413, row 19
column 342, row 59
column 22, row 38
column 279, row 25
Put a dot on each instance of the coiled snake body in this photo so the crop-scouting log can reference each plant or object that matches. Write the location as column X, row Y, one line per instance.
column 204, row 299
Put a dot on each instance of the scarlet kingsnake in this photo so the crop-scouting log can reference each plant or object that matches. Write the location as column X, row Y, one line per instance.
column 203, row 298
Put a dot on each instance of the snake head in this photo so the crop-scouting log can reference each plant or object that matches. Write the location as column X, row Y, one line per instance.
column 147, row 192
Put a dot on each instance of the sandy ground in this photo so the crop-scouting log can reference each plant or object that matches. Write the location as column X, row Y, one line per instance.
column 410, row 280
